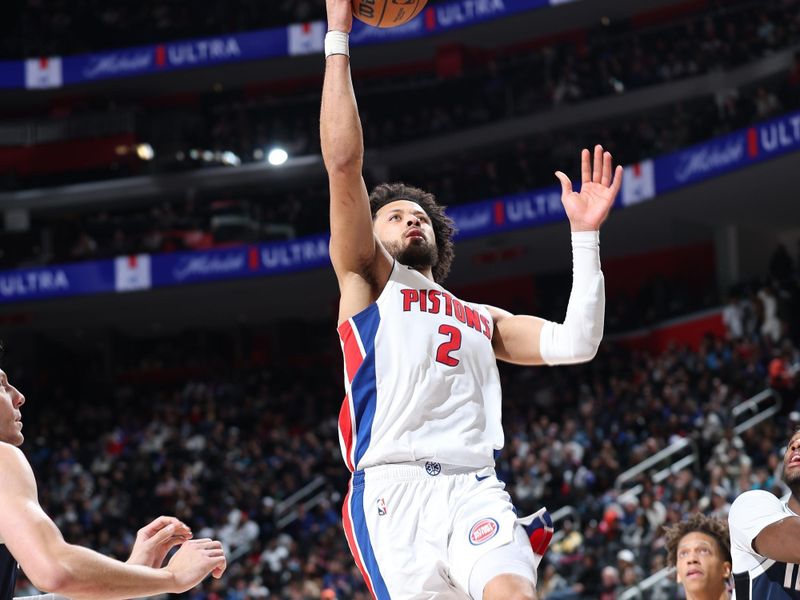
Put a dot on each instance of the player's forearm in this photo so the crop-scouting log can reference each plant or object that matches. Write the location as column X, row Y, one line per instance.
column 779, row 541
column 82, row 574
column 578, row 338
column 340, row 126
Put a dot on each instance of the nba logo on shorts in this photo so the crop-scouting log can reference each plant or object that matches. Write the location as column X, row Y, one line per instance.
column 381, row 507
column 483, row 531
column 433, row 468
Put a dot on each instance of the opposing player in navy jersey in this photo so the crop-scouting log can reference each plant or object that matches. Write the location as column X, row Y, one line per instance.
column 765, row 537
column 425, row 515
column 29, row 537
column 699, row 549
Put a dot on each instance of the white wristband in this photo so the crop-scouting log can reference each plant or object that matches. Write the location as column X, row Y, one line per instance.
column 337, row 42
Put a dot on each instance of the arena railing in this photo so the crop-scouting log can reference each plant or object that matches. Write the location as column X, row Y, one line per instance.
column 286, row 513
column 676, row 453
column 285, row 508
column 747, row 414
column 635, row 593
column 753, row 410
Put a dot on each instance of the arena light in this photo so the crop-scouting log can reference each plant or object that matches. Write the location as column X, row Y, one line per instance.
column 277, row 156
column 230, row 158
column 145, row 151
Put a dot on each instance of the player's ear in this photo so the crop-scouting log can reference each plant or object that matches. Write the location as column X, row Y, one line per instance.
column 726, row 569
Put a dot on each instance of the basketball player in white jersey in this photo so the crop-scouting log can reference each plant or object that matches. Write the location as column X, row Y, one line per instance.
column 699, row 549
column 765, row 537
column 29, row 537
column 425, row 515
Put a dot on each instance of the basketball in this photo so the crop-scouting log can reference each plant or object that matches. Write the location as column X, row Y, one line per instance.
column 387, row 13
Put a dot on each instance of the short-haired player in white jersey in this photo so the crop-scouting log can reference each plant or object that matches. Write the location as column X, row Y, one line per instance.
column 765, row 537
column 425, row 515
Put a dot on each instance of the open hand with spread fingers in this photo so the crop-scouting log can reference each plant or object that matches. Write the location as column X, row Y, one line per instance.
column 588, row 208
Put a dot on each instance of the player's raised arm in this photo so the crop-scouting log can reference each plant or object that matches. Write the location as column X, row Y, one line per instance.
column 354, row 248
column 527, row 340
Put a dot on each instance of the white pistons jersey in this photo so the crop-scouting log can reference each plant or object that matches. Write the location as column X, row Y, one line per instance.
column 421, row 379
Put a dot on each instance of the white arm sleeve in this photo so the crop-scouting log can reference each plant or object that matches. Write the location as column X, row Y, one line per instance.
column 42, row 597
column 577, row 339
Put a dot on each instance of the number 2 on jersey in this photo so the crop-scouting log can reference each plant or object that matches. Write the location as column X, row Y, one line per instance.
column 453, row 343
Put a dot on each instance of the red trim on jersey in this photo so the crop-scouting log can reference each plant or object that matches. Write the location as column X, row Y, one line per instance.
column 346, row 431
column 349, row 534
column 353, row 359
column 352, row 353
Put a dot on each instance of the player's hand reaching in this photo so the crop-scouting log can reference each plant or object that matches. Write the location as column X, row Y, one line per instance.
column 588, row 208
column 194, row 561
column 155, row 539
column 340, row 15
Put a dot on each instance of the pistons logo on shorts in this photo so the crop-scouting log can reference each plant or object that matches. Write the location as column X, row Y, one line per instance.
column 483, row 531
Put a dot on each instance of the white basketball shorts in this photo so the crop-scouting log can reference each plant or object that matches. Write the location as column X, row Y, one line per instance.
column 416, row 530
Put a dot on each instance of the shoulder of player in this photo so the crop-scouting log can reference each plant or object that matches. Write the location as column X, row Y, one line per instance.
column 497, row 314
column 15, row 470
column 753, row 499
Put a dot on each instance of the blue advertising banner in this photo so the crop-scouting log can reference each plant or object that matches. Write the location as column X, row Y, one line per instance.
column 55, row 281
column 728, row 153
column 160, row 58
column 11, row 75
column 701, row 162
column 210, row 265
column 239, row 262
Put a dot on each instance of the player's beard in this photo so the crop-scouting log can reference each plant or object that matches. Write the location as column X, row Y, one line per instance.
column 793, row 482
column 416, row 255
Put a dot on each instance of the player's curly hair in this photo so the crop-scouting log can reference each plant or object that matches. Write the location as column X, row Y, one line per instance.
column 443, row 226
column 715, row 528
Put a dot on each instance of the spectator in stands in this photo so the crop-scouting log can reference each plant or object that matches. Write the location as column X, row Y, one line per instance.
column 733, row 317
column 767, row 104
column 699, row 549
column 84, row 247
column 720, row 507
column 610, row 583
column 550, row 581
column 771, row 327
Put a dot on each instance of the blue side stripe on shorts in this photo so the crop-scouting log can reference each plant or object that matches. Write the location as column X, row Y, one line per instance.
column 362, row 537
